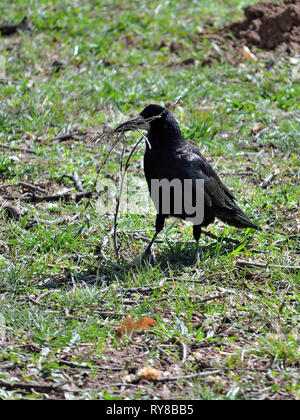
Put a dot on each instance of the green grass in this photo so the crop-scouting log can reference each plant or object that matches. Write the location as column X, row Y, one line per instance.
column 88, row 64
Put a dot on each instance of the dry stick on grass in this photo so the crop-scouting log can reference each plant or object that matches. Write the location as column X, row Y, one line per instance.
column 32, row 187
column 163, row 379
column 18, row 213
column 196, row 299
column 200, row 280
column 57, row 197
column 102, row 253
column 76, row 180
column 46, row 387
column 61, row 220
column 184, row 352
column 17, row 149
column 117, row 384
column 14, row 211
column 266, row 181
column 69, row 136
column 193, row 375
column 242, row 263
column 36, row 302
column 88, row 367
column 63, row 388
column 66, row 196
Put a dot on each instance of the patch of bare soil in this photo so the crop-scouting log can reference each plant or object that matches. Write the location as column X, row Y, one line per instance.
column 270, row 26
column 116, row 370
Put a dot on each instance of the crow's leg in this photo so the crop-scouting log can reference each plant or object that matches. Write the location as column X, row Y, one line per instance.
column 159, row 225
column 197, row 234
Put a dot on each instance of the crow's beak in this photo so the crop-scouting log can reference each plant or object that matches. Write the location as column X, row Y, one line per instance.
column 138, row 123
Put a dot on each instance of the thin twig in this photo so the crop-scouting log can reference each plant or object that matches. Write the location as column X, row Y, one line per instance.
column 44, row 294
column 35, row 301
column 59, row 220
column 184, row 352
column 242, row 263
column 117, row 384
column 77, row 182
column 14, row 211
column 102, row 164
column 32, row 187
column 266, row 181
column 30, row 385
column 145, row 138
column 102, row 253
column 193, row 375
column 17, row 149
column 200, row 280
column 85, row 366
column 118, row 201
column 57, row 197
column 69, row 136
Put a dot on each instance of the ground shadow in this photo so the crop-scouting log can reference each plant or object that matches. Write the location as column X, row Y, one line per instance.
column 183, row 253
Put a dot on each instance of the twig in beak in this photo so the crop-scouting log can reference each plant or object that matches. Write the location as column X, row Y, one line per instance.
column 145, row 138
column 118, row 200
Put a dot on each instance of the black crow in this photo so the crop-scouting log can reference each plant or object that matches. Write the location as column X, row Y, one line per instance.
column 168, row 156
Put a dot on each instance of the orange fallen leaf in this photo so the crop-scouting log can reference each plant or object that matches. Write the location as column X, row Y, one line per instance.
column 145, row 323
column 129, row 324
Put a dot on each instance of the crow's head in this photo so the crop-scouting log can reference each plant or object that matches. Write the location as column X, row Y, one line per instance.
column 154, row 112
column 162, row 128
column 151, row 116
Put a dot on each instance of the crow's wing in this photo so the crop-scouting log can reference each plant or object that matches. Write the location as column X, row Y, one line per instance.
column 209, row 170
column 194, row 166
column 216, row 194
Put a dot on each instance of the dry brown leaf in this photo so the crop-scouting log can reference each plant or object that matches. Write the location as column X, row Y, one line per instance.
column 130, row 325
column 127, row 326
column 145, row 323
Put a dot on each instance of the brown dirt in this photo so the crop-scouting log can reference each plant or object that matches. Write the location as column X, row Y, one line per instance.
column 270, row 26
